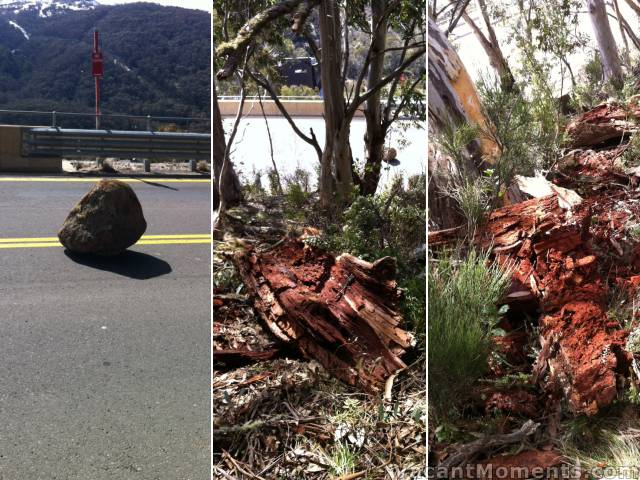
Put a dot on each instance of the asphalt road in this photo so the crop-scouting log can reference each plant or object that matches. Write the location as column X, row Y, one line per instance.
column 104, row 365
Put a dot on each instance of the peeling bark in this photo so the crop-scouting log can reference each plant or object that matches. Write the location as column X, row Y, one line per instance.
column 342, row 312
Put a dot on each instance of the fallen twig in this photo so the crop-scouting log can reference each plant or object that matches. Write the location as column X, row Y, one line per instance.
column 469, row 450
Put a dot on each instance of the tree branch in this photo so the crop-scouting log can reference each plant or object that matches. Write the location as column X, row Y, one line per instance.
column 235, row 48
column 394, row 85
column 405, row 99
column 409, row 47
column 264, row 83
column 455, row 18
column 633, row 6
column 301, row 14
column 396, row 73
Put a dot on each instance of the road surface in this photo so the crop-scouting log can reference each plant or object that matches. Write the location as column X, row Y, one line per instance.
column 104, row 366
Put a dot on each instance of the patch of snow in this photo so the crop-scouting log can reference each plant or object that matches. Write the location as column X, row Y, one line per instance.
column 18, row 27
column 46, row 8
column 122, row 65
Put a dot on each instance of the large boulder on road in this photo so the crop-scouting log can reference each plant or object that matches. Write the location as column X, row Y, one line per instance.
column 106, row 221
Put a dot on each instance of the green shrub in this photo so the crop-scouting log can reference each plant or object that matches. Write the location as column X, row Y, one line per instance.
column 253, row 190
column 588, row 92
column 274, row 182
column 299, row 177
column 524, row 130
column 392, row 223
column 414, row 306
column 298, row 91
column 631, row 154
column 463, row 298
column 296, row 196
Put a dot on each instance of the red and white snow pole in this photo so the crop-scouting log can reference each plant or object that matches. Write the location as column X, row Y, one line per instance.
column 97, row 68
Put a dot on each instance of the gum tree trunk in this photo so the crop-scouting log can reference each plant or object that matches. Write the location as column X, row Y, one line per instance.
column 336, row 157
column 376, row 133
column 606, row 43
column 452, row 101
column 231, row 185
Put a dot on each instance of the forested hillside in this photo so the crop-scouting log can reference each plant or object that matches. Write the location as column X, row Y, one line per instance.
column 156, row 59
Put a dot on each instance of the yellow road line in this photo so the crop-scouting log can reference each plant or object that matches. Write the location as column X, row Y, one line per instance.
column 43, row 242
column 30, row 245
column 169, row 242
column 96, row 179
column 144, row 237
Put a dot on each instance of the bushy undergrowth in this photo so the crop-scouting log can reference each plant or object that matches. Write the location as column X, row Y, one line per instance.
column 392, row 223
column 525, row 131
column 616, row 451
column 631, row 155
column 592, row 88
column 463, row 296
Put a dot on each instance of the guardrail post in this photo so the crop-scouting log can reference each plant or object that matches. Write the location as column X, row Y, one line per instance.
column 147, row 165
column 53, row 118
column 192, row 165
column 148, row 123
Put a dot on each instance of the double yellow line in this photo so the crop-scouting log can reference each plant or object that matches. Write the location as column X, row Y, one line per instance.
column 97, row 179
column 43, row 242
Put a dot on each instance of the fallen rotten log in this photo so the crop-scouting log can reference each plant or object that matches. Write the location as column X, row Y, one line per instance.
column 602, row 123
column 556, row 266
column 342, row 312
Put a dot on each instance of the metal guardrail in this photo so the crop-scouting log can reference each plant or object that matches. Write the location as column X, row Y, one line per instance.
column 148, row 120
column 58, row 142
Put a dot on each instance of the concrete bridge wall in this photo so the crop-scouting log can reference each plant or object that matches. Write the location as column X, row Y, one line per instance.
column 296, row 108
column 12, row 159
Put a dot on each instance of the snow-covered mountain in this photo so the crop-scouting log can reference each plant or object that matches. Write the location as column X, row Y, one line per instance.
column 44, row 8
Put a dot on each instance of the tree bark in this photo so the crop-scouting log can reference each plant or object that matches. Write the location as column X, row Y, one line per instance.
column 336, row 158
column 606, row 43
column 492, row 47
column 231, row 184
column 376, row 132
column 453, row 98
column 452, row 101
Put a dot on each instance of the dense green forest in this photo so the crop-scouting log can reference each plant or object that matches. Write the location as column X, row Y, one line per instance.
column 156, row 60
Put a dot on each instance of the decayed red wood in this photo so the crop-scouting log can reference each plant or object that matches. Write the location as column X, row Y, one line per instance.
column 340, row 311
column 555, row 266
column 604, row 122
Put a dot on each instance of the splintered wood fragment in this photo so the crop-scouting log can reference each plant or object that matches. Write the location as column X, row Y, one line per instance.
column 340, row 311
column 602, row 123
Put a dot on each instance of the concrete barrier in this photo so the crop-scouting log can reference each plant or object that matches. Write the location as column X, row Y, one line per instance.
column 12, row 158
column 296, row 108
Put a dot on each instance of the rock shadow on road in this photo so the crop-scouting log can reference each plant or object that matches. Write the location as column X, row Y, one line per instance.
column 136, row 265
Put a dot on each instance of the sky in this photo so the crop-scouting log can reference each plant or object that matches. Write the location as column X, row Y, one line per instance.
column 477, row 63
column 194, row 4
